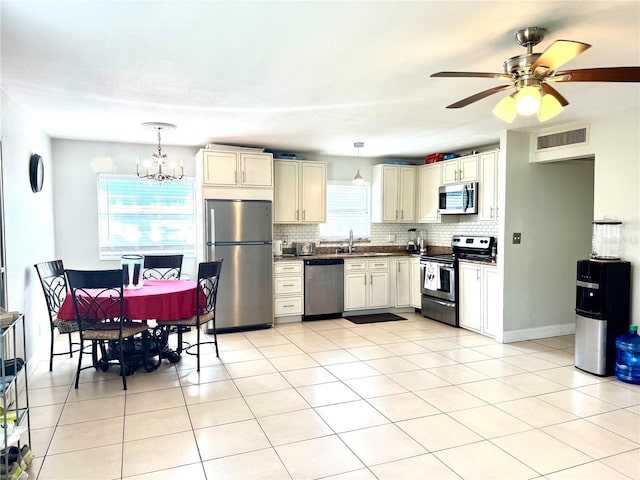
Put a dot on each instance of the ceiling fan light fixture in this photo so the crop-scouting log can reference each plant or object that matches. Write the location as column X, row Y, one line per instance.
column 528, row 100
column 549, row 107
column 506, row 109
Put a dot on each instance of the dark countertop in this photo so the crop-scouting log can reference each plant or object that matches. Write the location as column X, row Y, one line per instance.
column 346, row 256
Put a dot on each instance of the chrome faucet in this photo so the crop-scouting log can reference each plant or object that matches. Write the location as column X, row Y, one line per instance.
column 351, row 247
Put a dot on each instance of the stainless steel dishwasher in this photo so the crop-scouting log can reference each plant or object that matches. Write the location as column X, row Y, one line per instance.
column 323, row 288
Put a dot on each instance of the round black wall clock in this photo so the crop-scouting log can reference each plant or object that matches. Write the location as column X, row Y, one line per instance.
column 36, row 172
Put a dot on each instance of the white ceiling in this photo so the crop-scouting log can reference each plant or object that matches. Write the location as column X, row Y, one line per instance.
column 296, row 76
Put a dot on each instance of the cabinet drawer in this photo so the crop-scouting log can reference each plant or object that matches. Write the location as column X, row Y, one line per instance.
column 287, row 285
column 378, row 264
column 286, row 268
column 355, row 265
column 287, row 306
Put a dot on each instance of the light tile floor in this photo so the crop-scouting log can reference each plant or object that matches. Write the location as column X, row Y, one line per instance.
column 412, row 399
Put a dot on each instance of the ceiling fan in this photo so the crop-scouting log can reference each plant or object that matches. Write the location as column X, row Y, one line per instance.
column 530, row 75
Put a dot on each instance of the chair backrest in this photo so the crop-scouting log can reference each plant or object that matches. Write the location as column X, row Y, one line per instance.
column 97, row 296
column 162, row 267
column 208, row 281
column 54, row 285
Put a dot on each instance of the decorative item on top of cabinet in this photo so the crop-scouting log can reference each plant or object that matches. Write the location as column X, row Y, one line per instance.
column 393, row 189
column 488, row 179
column 366, row 284
column 460, row 170
column 300, row 192
column 479, row 302
column 228, row 168
column 288, row 289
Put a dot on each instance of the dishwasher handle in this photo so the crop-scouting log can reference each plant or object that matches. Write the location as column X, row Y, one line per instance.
column 325, row 261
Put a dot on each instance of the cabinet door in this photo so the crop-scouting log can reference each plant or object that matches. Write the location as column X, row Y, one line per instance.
column 470, row 299
column 285, row 193
column 390, row 185
column 220, row 168
column 407, row 194
column 488, row 166
column 314, row 192
column 379, row 289
column 414, row 280
column 403, row 283
column 450, row 172
column 429, row 182
column 491, row 300
column 468, row 169
column 355, row 291
column 256, row 169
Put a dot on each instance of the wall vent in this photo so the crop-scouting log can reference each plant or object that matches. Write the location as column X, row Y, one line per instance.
column 577, row 136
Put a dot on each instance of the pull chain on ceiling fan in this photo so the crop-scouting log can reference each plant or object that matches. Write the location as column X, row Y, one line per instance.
column 528, row 74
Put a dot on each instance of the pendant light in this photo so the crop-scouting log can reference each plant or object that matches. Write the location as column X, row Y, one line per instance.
column 158, row 169
column 358, row 180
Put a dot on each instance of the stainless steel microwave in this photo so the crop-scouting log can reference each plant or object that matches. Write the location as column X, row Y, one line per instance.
column 459, row 199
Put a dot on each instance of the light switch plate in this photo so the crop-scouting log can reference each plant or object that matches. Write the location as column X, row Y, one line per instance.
column 517, row 237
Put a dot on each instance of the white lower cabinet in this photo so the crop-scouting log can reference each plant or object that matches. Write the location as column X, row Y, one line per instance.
column 288, row 288
column 366, row 284
column 415, row 284
column 478, row 297
column 402, row 282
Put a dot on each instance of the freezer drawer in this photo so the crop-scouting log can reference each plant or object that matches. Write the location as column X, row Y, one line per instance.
column 591, row 345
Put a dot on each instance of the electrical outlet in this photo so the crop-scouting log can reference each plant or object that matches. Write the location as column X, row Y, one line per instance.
column 392, row 237
column 517, row 238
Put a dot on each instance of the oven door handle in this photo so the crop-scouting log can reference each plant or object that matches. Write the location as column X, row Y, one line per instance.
column 442, row 302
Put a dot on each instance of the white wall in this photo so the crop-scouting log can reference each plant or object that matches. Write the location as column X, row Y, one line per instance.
column 551, row 205
column 28, row 221
column 75, row 200
column 616, row 143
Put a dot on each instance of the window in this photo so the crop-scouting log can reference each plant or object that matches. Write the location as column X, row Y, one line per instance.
column 347, row 208
column 145, row 217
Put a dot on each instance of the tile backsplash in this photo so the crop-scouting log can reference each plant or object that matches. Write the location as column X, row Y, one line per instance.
column 437, row 234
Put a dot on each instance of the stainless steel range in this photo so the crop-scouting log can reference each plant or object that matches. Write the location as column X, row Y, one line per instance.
column 439, row 276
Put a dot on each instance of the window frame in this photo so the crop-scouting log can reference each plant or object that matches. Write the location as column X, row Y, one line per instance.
column 114, row 252
column 358, row 236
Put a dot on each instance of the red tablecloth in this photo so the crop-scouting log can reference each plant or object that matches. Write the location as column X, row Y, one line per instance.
column 157, row 299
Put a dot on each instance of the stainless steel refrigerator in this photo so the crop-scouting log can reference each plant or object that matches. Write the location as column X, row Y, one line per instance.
column 239, row 231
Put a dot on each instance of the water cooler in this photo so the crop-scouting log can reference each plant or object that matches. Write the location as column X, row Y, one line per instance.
column 602, row 313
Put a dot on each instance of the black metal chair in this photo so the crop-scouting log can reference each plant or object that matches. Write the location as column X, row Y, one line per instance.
column 99, row 305
column 205, row 304
column 54, row 286
column 162, row 267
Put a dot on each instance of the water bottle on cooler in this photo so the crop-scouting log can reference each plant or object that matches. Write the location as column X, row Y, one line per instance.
column 628, row 356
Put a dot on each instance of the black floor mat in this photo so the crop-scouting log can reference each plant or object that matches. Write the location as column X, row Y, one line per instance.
column 376, row 317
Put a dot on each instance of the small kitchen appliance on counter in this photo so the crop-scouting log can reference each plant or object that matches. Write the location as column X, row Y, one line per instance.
column 412, row 243
column 277, row 248
column 304, row 248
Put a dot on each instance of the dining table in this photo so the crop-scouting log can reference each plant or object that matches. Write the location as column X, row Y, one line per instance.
column 159, row 300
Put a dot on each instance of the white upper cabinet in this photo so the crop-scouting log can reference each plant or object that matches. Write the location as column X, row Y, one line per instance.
column 300, row 192
column 460, row 170
column 236, row 169
column 488, row 178
column 428, row 185
column 393, row 190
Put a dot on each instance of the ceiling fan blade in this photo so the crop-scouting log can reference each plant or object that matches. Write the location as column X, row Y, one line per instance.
column 558, row 53
column 501, row 76
column 552, row 91
column 612, row 74
column 478, row 96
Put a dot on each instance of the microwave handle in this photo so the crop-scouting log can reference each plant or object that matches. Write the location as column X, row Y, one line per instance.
column 465, row 193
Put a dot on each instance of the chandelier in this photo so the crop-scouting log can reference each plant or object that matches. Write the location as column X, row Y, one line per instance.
column 157, row 169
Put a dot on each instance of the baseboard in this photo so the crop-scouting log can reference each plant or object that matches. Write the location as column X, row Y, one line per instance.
column 539, row 332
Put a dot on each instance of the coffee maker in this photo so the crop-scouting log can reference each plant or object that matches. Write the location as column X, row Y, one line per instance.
column 412, row 242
